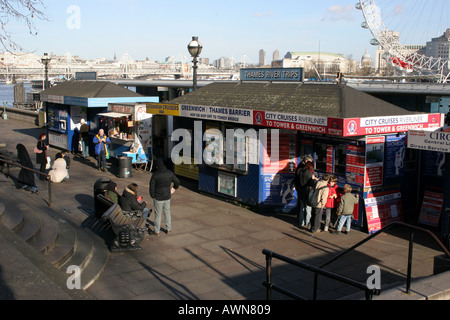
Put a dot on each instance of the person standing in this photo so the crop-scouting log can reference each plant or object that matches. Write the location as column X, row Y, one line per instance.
column 84, row 139
column 101, row 142
column 161, row 190
column 330, row 207
column 25, row 180
column 305, row 181
column 346, row 208
column 41, row 157
column 318, row 202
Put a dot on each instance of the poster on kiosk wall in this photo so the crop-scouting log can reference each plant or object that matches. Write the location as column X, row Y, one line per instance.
column 374, row 161
column 278, row 173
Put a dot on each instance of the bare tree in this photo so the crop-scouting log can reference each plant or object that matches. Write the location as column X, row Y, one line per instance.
column 24, row 11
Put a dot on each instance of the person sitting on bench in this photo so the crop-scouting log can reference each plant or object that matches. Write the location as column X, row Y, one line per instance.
column 129, row 201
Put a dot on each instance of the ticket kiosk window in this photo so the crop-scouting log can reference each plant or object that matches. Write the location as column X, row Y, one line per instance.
column 321, row 156
column 340, row 159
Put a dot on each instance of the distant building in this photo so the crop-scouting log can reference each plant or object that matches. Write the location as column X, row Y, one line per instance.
column 276, row 55
column 262, row 58
column 322, row 62
column 366, row 61
column 439, row 47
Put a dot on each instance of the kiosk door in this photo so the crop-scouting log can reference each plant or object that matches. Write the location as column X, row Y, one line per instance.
column 160, row 137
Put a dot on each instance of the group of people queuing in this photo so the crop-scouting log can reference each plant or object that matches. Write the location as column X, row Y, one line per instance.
column 162, row 185
column 317, row 197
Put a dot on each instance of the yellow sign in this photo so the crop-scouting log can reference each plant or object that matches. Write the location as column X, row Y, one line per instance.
column 163, row 109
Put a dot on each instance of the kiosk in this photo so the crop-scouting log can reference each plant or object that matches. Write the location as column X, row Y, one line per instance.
column 355, row 136
column 69, row 102
column 129, row 127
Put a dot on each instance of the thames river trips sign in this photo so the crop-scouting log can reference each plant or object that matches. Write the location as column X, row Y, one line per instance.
column 272, row 74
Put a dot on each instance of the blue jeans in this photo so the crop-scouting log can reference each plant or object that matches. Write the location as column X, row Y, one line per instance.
column 84, row 149
column 304, row 215
column 347, row 220
column 160, row 207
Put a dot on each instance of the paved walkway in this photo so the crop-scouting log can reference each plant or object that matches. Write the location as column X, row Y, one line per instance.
column 215, row 250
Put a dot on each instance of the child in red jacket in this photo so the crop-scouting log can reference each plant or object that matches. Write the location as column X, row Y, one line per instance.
column 331, row 203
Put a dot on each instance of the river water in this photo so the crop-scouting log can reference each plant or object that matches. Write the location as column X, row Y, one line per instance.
column 7, row 93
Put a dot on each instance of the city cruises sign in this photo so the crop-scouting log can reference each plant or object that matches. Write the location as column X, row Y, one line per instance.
column 391, row 124
column 353, row 127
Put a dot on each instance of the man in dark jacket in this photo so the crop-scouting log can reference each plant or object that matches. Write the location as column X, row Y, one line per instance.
column 161, row 190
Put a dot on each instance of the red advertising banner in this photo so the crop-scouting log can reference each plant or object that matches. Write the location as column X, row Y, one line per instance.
column 330, row 159
column 390, row 124
column 287, row 161
column 431, row 208
column 356, row 164
column 383, row 209
column 297, row 122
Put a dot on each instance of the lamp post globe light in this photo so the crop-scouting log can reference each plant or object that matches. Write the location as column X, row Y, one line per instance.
column 46, row 61
column 195, row 49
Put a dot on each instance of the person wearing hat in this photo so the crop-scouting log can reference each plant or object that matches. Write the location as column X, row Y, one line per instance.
column 84, row 139
column 162, row 185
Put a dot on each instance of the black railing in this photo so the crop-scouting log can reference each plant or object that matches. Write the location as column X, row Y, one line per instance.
column 410, row 250
column 369, row 293
column 10, row 162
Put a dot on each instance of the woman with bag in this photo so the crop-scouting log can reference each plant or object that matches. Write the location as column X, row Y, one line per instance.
column 41, row 154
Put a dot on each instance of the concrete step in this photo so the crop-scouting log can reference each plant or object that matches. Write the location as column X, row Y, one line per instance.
column 52, row 232
column 13, row 220
column 64, row 246
column 31, row 226
column 90, row 255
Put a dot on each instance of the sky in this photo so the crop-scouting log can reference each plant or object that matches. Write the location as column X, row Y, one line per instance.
column 233, row 28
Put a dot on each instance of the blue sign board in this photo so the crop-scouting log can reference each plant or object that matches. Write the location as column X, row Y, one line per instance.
column 272, row 74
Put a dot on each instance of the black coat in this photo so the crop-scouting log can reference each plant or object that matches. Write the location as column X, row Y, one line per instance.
column 161, row 183
column 41, row 158
column 128, row 202
column 25, row 177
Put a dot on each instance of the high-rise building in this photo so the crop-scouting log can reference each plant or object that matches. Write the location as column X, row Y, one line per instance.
column 276, row 55
column 262, row 58
column 439, row 47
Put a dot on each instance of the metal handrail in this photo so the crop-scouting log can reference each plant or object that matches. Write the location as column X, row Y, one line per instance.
column 270, row 286
column 410, row 253
column 15, row 164
column 319, row 270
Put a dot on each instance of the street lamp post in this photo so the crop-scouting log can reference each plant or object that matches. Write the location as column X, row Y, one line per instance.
column 46, row 61
column 195, row 49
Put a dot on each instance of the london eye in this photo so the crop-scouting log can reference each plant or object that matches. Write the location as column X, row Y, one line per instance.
column 403, row 28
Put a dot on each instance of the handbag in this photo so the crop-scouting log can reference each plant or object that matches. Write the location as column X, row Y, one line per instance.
column 80, row 146
column 49, row 163
column 36, row 150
